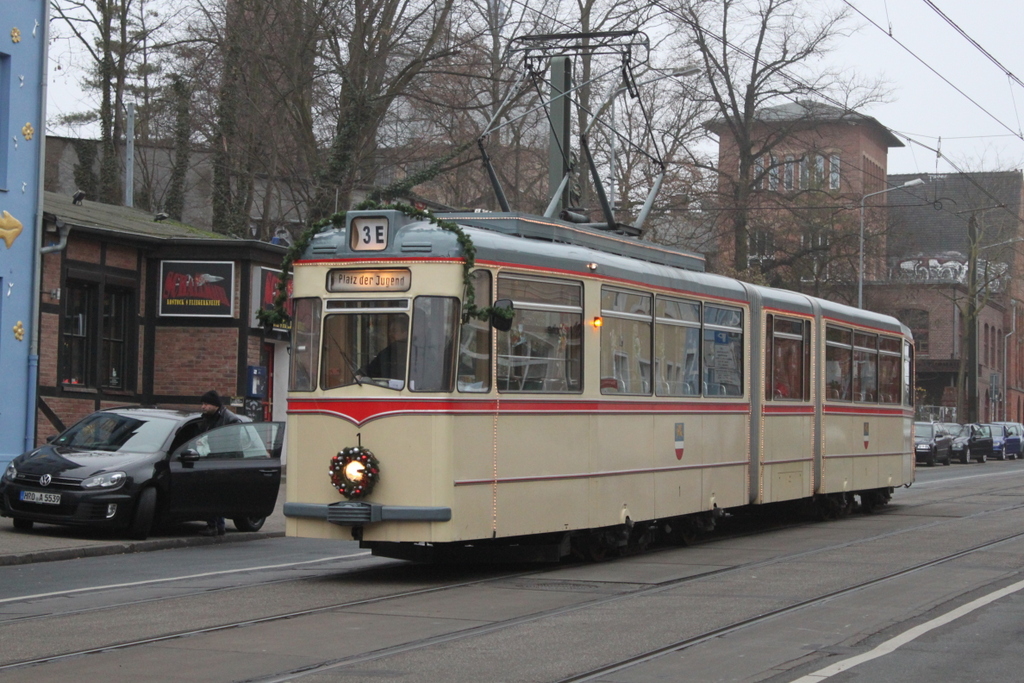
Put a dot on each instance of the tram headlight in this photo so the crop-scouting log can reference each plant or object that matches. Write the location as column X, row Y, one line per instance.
column 354, row 471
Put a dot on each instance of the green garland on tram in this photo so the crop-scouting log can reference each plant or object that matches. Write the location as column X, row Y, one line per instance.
column 278, row 317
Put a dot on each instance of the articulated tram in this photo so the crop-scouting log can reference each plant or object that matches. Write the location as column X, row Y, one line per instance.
column 630, row 394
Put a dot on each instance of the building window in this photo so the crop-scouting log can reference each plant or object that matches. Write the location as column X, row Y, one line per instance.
column 805, row 173
column 79, row 323
column 833, row 172
column 773, row 173
column 816, row 243
column 97, row 317
column 917, row 320
column 758, row 173
column 760, row 246
column 818, row 181
column 788, row 170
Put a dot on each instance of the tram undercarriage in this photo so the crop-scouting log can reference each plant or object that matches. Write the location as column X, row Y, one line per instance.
column 596, row 545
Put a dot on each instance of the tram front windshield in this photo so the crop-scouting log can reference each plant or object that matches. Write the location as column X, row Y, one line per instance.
column 377, row 347
column 365, row 347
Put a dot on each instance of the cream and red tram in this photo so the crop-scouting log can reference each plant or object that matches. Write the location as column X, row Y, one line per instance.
column 630, row 394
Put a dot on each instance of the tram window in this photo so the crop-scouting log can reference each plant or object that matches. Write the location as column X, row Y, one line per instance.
column 889, row 365
column 677, row 347
column 787, row 356
column 723, row 351
column 908, row 374
column 435, row 320
column 838, row 363
column 625, row 342
column 365, row 347
column 475, row 345
column 865, row 367
column 305, row 344
column 542, row 350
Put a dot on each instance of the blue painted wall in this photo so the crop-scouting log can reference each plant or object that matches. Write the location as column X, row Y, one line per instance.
column 23, row 38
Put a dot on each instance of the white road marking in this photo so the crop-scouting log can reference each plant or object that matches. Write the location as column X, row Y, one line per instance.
column 893, row 644
column 177, row 578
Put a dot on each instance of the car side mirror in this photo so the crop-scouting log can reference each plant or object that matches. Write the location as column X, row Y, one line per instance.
column 502, row 321
column 51, row 438
column 189, row 455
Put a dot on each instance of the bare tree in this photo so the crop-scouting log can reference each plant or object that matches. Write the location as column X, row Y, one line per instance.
column 123, row 40
column 754, row 54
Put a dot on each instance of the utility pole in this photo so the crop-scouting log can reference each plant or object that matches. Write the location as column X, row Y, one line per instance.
column 971, row 320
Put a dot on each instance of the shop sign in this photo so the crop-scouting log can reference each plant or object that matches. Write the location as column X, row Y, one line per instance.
column 197, row 288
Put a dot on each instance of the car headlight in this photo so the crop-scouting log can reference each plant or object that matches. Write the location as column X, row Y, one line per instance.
column 107, row 480
column 11, row 472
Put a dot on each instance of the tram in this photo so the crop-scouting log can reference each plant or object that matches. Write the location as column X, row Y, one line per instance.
column 629, row 395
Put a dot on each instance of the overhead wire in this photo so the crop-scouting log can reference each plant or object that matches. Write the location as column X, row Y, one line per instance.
column 939, row 155
column 842, row 105
column 934, row 70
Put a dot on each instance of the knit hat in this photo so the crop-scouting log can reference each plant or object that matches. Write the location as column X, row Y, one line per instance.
column 212, row 398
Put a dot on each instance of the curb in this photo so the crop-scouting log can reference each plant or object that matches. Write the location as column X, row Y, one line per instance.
column 58, row 554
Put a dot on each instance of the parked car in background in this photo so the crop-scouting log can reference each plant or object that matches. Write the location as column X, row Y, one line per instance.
column 932, row 443
column 972, row 442
column 128, row 468
column 1011, row 434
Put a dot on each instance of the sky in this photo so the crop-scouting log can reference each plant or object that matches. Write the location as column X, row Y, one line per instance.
column 980, row 136
column 925, row 107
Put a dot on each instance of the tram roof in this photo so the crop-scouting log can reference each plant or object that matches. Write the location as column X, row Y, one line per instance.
column 556, row 230
column 532, row 241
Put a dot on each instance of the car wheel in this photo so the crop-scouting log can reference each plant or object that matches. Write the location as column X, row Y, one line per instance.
column 22, row 524
column 249, row 523
column 966, row 458
column 931, row 459
column 983, row 457
column 144, row 513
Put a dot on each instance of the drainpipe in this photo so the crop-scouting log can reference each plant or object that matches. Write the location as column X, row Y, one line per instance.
column 37, row 258
column 1006, row 345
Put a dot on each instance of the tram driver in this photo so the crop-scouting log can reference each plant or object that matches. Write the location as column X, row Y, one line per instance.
column 390, row 362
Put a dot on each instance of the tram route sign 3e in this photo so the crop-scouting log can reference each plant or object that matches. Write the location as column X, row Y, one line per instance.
column 197, row 288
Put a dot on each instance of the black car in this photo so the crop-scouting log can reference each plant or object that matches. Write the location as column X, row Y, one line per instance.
column 932, row 443
column 973, row 442
column 129, row 468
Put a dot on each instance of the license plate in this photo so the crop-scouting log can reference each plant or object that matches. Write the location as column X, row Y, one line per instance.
column 36, row 497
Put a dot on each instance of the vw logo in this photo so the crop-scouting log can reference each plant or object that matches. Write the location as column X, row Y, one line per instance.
column 45, row 480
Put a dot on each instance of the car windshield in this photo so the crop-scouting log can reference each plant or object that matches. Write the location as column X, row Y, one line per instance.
column 923, row 430
column 955, row 429
column 115, row 432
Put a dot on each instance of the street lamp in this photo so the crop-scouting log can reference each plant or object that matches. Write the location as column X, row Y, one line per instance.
column 860, row 270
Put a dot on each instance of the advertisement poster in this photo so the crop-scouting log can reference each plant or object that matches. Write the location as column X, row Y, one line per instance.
column 197, row 288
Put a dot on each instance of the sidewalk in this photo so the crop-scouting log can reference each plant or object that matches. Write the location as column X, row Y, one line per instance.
column 46, row 543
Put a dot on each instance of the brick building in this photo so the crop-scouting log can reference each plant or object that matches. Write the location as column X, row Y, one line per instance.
column 812, row 163
column 140, row 311
column 813, row 166
column 928, row 285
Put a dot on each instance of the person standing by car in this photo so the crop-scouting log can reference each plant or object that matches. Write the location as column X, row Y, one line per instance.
column 215, row 414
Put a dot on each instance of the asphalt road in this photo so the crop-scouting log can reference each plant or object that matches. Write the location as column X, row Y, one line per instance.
column 930, row 589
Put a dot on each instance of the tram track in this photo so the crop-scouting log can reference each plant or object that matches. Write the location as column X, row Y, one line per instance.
column 473, row 632
column 476, row 631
